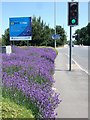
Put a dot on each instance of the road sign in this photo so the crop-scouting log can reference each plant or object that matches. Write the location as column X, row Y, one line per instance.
column 55, row 36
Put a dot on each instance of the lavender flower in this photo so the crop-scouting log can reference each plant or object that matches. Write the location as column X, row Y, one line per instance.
column 31, row 72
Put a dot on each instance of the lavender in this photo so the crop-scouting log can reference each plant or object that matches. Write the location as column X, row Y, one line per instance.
column 30, row 71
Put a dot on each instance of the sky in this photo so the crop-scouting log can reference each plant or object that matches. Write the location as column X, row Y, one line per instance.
column 89, row 11
column 45, row 10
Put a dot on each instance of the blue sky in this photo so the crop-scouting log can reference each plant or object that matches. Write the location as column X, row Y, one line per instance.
column 89, row 11
column 45, row 10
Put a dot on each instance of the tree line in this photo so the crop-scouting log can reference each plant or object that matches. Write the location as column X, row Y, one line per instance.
column 82, row 36
column 41, row 35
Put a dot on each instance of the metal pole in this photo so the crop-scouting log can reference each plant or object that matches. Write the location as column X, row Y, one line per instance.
column 55, row 22
column 70, row 52
column 13, row 43
column 27, row 43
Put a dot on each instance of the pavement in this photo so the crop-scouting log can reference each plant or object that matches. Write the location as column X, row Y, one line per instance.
column 73, row 89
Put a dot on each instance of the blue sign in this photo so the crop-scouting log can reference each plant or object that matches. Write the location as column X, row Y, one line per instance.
column 20, row 28
column 55, row 36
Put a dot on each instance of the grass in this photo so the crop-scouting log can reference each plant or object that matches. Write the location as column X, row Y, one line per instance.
column 15, row 96
column 0, row 106
column 12, row 110
column 55, row 51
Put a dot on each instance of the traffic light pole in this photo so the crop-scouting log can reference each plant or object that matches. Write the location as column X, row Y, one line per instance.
column 70, row 49
column 72, row 21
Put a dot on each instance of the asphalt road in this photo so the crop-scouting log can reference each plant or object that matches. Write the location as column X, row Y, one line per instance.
column 79, row 55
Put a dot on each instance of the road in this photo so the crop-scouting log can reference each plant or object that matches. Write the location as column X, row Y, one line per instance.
column 79, row 55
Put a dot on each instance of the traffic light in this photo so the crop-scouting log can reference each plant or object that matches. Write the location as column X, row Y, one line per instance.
column 72, row 13
column 77, row 37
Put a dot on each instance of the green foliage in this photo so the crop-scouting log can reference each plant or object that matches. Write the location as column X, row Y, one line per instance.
column 12, row 110
column 39, row 79
column 83, row 35
column 10, row 70
column 18, row 98
column 0, row 41
column 41, row 35
column 56, row 51
column 5, row 38
column 61, row 32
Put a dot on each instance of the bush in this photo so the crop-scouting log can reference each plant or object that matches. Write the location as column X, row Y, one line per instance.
column 28, row 80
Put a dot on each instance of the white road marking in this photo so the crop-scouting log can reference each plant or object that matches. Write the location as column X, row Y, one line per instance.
column 79, row 65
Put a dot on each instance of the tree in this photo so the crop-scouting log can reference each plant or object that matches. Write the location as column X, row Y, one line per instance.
column 83, row 35
column 88, row 29
column 77, row 37
column 61, row 32
column 5, row 38
column 37, row 30
column 41, row 34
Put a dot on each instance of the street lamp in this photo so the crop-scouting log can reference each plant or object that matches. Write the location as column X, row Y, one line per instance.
column 55, row 22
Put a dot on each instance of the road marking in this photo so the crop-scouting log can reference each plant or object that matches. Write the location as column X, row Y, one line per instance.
column 78, row 65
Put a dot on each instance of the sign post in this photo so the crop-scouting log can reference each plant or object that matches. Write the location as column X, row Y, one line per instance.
column 27, row 43
column 13, row 42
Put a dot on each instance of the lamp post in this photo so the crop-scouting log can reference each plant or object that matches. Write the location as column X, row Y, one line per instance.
column 55, row 22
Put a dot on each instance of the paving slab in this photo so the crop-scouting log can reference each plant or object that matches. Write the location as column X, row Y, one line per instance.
column 73, row 89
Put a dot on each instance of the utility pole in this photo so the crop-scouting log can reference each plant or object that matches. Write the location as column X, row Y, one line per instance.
column 55, row 22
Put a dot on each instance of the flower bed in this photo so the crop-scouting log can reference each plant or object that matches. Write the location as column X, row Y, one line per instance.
column 28, row 79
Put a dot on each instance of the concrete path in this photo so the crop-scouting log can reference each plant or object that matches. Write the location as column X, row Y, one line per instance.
column 73, row 89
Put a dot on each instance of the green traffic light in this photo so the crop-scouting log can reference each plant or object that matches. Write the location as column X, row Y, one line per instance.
column 73, row 21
